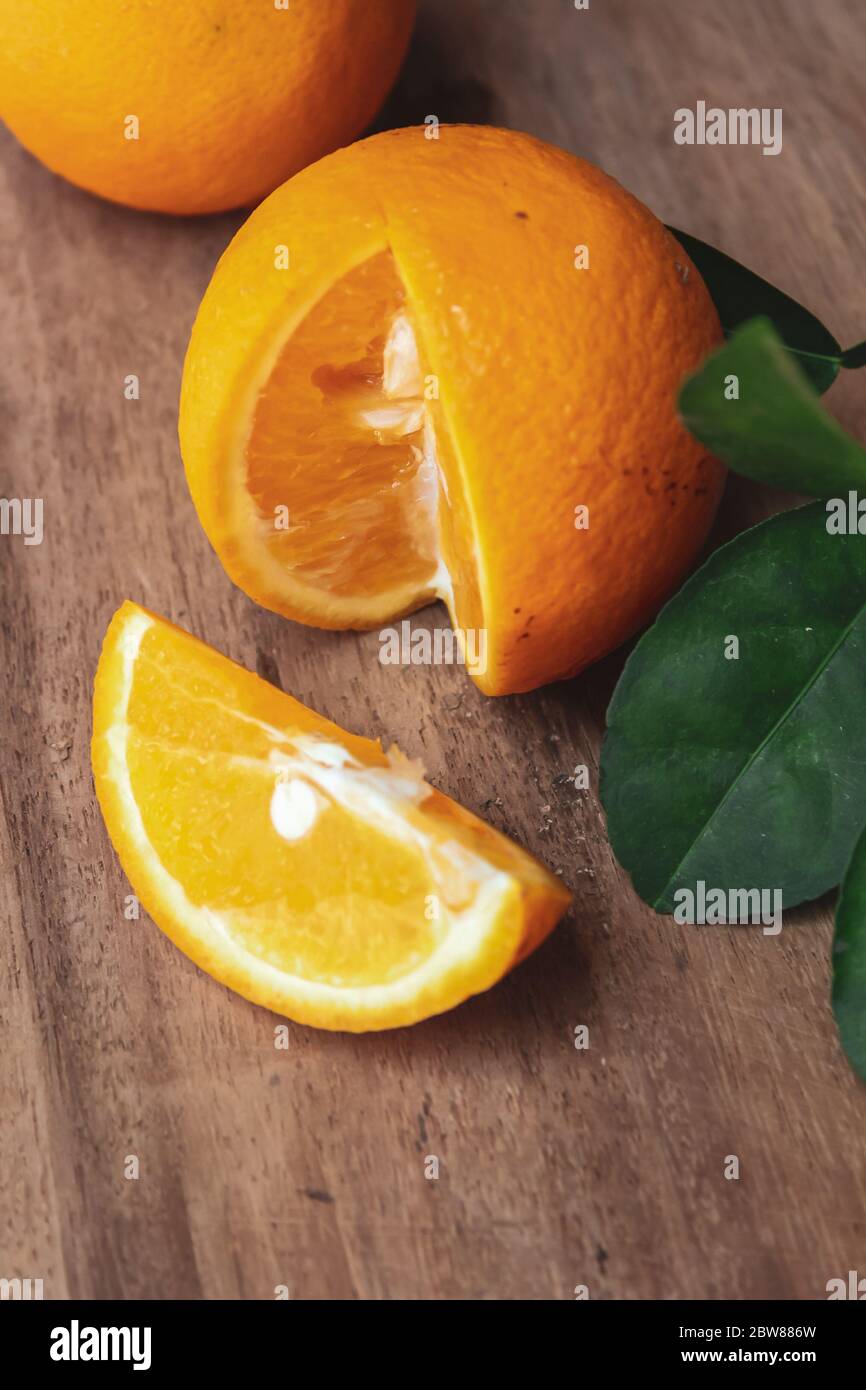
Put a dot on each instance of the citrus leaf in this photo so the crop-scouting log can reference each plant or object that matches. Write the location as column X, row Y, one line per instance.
column 739, row 294
column 849, row 959
column 773, row 428
column 746, row 771
column 854, row 356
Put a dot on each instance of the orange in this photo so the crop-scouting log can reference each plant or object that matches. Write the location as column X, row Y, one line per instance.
column 447, row 367
column 296, row 863
column 194, row 107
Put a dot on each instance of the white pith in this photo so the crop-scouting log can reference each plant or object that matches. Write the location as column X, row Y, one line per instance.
column 403, row 383
column 380, row 797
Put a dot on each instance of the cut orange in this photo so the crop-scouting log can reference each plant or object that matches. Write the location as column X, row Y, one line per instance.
column 447, row 368
column 297, row 863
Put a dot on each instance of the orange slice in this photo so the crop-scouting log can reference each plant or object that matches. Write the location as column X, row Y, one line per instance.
column 448, row 368
column 297, row 863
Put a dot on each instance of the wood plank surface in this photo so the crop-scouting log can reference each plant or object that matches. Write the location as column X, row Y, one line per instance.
column 305, row 1167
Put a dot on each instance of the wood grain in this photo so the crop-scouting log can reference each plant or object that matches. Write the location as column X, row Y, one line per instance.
column 305, row 1167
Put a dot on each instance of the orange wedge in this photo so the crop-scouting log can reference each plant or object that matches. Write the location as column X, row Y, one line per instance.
column 448, row 368
column 296, row 863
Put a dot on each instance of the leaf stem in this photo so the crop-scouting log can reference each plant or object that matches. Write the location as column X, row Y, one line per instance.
column 837, row 358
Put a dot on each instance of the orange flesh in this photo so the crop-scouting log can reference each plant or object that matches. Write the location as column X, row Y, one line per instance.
column 359, row 522
column 344, row 905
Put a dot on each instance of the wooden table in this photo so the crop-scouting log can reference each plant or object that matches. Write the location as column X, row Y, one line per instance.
column 305, row 1167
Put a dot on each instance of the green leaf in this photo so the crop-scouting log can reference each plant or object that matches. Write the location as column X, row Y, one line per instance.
column 739, row 294
column 854, row 356
column 777, row 431
column 849, row 960
column 746, row 773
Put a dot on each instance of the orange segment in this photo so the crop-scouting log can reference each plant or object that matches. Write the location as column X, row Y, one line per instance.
column 295, row 862
column 344, row 507
column 460, row 382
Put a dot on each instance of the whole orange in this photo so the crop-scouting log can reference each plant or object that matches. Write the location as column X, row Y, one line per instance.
column 198, row 106
column 444, row 363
